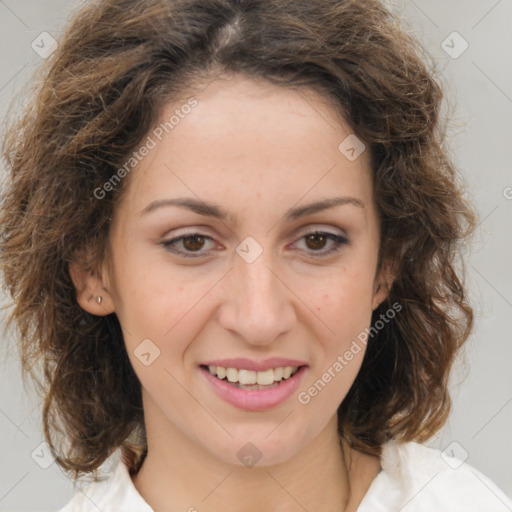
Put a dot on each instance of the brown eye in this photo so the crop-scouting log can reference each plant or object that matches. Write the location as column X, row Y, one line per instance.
column 316, row 241
column 193, row 243
column 321, row 243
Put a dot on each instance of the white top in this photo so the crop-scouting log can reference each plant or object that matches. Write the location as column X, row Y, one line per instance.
column 414, row 477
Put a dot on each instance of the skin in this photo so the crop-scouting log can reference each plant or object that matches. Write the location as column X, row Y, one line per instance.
column 256, row 150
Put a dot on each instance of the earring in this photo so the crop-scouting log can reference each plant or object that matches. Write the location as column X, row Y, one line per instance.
column 99, row 299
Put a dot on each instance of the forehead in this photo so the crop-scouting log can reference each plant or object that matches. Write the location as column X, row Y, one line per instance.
column 250, row 141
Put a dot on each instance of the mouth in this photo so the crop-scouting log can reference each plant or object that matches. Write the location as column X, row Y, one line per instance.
column 250, row 379
column 260, row 387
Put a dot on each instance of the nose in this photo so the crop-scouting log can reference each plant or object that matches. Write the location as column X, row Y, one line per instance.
column 257, row 304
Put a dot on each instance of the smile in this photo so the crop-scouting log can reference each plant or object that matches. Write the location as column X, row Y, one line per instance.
column 250, row 379
column 253, row 390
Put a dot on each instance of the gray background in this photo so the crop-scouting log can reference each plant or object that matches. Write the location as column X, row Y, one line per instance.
column 478, row 84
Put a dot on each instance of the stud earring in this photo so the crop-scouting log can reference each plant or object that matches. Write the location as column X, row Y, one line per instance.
column 99, row 299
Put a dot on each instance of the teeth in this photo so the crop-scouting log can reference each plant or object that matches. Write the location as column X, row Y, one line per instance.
column 248, row 377
column 265, row 378
column 232, row 374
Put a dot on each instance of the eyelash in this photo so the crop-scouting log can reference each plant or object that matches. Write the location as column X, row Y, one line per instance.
column 339, row 242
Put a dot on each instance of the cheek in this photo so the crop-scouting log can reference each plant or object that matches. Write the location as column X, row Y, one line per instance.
column 344, row 306
column 343, row 301
column 155, row 303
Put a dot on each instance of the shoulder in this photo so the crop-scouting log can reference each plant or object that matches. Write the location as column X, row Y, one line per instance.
column 417, row 478
column 114, row 493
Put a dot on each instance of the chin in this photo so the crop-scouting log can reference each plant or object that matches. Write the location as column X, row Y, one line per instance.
column 259, row 449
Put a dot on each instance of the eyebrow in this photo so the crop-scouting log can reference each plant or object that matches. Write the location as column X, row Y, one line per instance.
column 212, row 210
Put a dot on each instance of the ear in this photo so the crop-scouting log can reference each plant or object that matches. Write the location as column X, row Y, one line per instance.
column 89, row 287
column 383, row 282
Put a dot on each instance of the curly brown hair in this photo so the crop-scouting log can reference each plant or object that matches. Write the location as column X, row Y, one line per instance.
column 119, row 63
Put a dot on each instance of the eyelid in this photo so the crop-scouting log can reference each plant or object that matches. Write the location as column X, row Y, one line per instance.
column 320, row 228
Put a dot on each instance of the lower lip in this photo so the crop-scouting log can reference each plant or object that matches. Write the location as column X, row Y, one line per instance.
column 255, row 399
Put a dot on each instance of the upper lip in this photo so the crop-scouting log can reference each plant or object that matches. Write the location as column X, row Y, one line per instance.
column 257, row 366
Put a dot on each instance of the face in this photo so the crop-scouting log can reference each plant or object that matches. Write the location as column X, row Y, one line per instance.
column 246, row 240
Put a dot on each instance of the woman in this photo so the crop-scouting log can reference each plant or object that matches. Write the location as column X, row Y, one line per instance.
column 229, row 235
